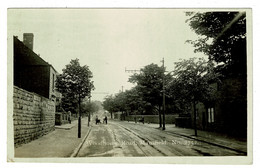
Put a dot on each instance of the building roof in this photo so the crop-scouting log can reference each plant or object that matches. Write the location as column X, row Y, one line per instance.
column 31, row 57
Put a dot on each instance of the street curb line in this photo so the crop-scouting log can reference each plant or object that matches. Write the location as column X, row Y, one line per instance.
column 76, row 151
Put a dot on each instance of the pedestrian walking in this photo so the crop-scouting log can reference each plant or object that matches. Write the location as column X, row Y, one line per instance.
column 106, row 119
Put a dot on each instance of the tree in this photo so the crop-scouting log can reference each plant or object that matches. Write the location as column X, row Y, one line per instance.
column 75, row 84
column 150, row 85
column 134, row 102
column 176, row 94
column 89, row 107
column 109, row 104
column 192, row 79
column 222, row 36
column 128, row 101
column 69, row 104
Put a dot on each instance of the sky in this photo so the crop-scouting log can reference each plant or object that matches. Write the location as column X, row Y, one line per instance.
column 107, row 40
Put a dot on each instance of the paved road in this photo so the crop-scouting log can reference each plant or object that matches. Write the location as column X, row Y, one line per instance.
column 130, row 139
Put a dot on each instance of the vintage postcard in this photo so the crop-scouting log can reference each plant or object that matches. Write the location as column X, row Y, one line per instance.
column 130, row 85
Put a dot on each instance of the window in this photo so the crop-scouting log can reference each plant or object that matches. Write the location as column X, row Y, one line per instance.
column 210, row 115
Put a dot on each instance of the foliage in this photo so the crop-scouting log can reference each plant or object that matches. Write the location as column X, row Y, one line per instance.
column 144, row 97
column 89, row 107
column 134, row 102
column 192, row 80
column 69, row 104
column 150, row 84
column 222, row 36
column 176, row 92
column 109, row 104
column 74, row 84
column 129, row 101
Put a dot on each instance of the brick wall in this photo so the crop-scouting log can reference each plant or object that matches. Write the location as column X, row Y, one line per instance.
column 33, row 116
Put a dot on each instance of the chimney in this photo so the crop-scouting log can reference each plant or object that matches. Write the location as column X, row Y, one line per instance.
column 28, row 40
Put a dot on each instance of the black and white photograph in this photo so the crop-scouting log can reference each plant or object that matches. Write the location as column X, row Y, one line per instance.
column 109, row 84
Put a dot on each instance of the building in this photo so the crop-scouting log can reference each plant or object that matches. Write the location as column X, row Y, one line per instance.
column 31, row 72
column 34, row 96
column 228, row 112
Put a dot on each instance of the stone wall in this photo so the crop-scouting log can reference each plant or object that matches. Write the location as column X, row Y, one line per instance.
column 33, row 116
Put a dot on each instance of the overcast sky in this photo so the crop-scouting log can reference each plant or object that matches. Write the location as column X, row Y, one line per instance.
column 107, row 40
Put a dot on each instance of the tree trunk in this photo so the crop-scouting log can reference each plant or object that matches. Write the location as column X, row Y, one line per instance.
column 195, row 117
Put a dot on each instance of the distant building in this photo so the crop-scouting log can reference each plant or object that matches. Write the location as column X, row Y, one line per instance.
column 31, row 72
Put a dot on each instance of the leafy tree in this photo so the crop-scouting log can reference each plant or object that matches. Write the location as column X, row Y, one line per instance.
column 222, row 36
column 191, row 83
column 69, row 104
column 150, row 85
column 109, row 104
column 176, row 92
column 75, row 84
column 128, row 101
column 89, row 107
column 134, row 102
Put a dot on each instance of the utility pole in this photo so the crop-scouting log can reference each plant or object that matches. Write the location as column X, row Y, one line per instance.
column 163, row 97
column 89, row 98
column 79, row 118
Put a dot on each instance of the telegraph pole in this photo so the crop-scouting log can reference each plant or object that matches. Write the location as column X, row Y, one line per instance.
column 79, row 118
column 89, row 99
column 163, row 97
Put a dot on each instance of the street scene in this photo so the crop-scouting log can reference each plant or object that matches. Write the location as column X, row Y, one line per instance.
column 129, row 83
column 130, row 139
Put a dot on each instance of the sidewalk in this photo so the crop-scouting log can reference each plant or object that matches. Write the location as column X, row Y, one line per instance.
column 212, row 138
column 67, row 126
column 60, row 143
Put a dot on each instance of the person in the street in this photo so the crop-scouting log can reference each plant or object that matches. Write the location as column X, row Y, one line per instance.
column 97, row 119
column 106, row 119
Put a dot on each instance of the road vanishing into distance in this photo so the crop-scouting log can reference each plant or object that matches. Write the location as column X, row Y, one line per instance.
column 122, row 138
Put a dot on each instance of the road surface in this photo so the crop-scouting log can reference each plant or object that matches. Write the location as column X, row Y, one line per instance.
column 135, row 139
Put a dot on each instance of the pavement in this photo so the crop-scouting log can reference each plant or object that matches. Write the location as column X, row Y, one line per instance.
column 213, row 138
column 62, row 142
